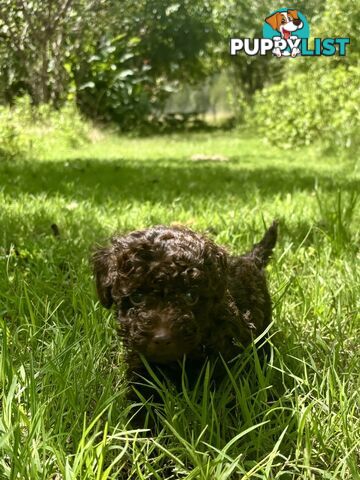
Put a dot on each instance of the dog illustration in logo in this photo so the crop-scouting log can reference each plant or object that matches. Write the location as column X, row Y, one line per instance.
column 286, row 23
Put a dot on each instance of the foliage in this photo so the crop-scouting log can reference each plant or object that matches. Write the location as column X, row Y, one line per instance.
column 120, row 59
column 12, row 143
column 37, row 39
column 318, row 98
column 310, row 107
column 341, row 18
column 245, row 19
column 26, row 129
column 63, row 409
column 147, row 49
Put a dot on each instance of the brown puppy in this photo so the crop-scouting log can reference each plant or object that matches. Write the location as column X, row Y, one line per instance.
column 177, row 293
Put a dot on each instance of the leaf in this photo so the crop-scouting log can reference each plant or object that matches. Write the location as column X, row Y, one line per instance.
column 118, row 37
column 134, row 41
column 126, row 57
column 172, row 9
column 124, row 74
column 94, row 58
column 87, row 85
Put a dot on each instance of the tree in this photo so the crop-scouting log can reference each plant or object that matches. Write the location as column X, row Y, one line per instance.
column 122, row 59
column 38, row 37
column 245, row 19
column 147, row 50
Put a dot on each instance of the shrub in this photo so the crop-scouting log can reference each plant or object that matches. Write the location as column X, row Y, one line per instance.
column 26, row 130
column 311, row 106
column 11, row 142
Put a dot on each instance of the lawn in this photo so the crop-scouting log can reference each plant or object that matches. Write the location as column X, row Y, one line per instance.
column 64, row 414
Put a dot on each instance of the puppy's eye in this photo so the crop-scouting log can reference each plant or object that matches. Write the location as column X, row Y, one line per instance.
column 137, row 298
column 283, row 20
column 190, row 298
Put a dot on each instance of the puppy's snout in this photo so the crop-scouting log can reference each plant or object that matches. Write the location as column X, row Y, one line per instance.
column 162, row 337
column 297, row 21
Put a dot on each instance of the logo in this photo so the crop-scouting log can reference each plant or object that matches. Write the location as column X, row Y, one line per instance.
column 286, row 34
column 292, row 27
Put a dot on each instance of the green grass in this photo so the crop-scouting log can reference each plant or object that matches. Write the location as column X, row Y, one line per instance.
column 64, row 414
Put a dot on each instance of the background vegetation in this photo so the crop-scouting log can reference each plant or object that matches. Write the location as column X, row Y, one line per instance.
column 104, row 127
column 120, row 62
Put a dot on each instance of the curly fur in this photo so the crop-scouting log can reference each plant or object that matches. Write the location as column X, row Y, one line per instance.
column 176, row 292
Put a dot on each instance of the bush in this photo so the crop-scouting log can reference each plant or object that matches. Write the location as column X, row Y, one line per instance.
column 11, row 141
column 26, row 130
column 311, row 106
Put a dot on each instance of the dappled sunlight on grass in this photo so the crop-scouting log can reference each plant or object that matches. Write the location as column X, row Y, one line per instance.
column 64, row 412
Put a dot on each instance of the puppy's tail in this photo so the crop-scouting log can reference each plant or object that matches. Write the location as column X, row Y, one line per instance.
column 262, row 251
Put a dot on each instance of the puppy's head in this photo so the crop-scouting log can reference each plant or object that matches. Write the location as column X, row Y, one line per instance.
column 165, row 283
column 285, row 22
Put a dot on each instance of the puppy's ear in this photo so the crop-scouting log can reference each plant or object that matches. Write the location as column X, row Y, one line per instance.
column 274, row 20
column 262, row 251
column 293, row 13
column 104, row 263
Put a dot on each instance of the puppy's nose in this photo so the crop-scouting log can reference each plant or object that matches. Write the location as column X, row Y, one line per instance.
column 296, row 21
column 162, row 337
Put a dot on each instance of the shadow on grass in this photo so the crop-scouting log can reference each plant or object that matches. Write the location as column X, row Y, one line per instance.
column 102, row 180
